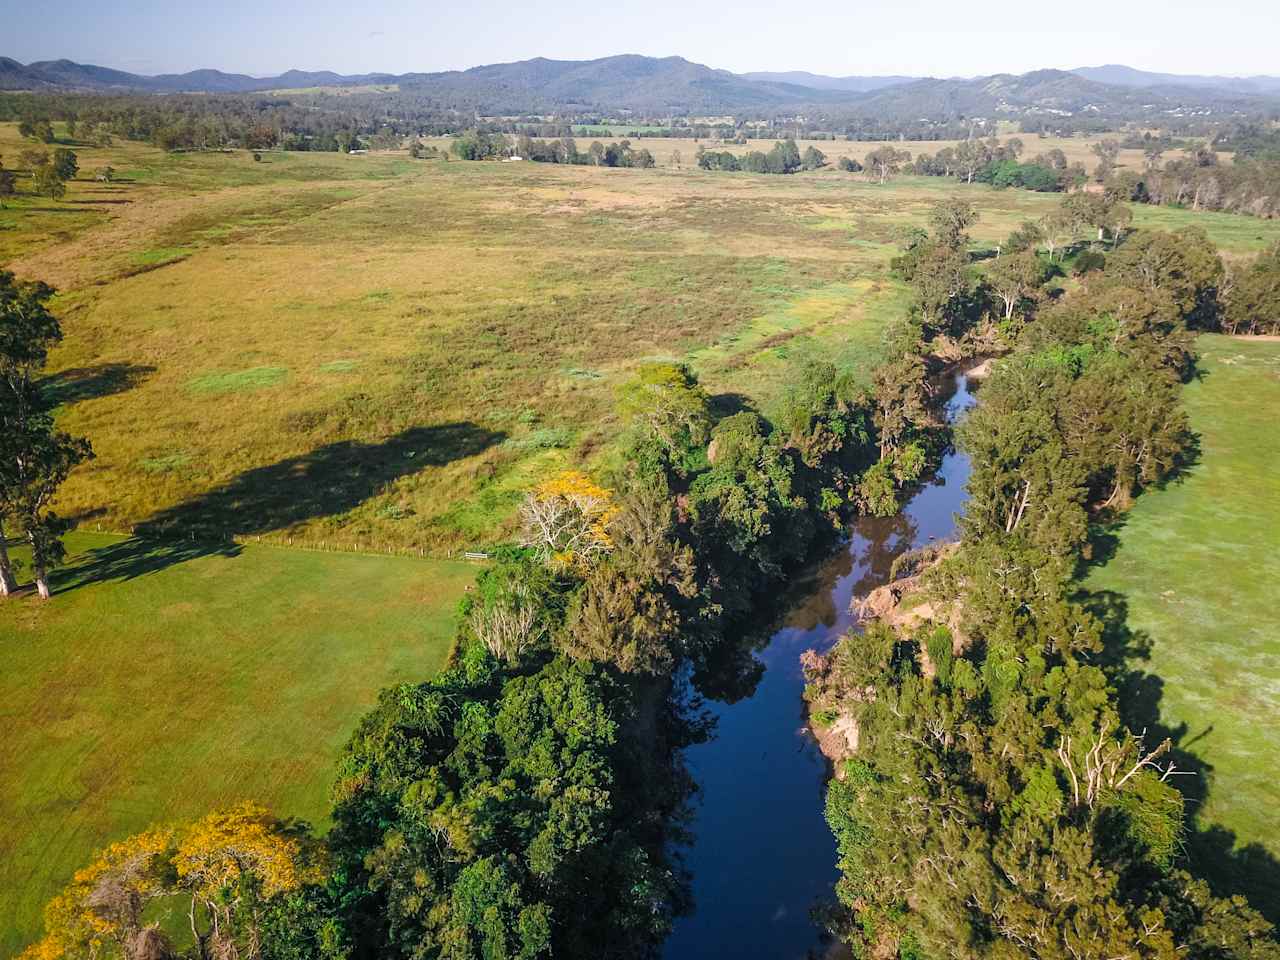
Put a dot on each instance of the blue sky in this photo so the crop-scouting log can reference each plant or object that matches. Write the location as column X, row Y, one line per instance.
column 916, row 37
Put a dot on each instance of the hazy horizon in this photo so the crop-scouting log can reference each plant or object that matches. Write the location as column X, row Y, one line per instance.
column 395, row 36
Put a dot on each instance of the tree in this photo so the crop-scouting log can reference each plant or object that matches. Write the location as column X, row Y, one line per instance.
column 231, row 863
column 514, row 608
column 1086, row 209
column 635, row 610
column 46, row 182
column 1253, row 302
column 33, row 159
column 970, row 157
column 491, row 813
column 899, row 389
column 813, row 159
column 941, row 277
column 37, row 464
column 1107, row 152
column 669, row 414
column 34, row 457
column 1058, row 228
column 40, row 130
column 886, row 161
column 951, row 220
column 102, row 908
column 1185, row 264
column 65, row 164
column 849, row 165
column 566, row 519
column 1026, row 237
column 8, row 184
column 1118, row 217
column 1015, row 278
column 743, row 504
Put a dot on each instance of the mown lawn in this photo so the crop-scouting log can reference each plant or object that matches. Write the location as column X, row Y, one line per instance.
column 1196, row 570
column 161, row 682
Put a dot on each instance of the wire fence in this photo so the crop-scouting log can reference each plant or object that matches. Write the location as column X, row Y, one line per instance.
column 361, row 547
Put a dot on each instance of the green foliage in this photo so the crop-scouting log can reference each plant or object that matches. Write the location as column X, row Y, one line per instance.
column 784, row 157
column 745, row 506
column 996, row 800
column 65, row 164
column 480, row 145
column 1253, row 305
column 46, row 183
column 670, row 418
column 484, row 814
column 636, row 609
column 1184, row 265
column 824, row 418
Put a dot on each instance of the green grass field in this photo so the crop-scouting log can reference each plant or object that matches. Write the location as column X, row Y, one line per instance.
column 159, row 683
column 1196, row 569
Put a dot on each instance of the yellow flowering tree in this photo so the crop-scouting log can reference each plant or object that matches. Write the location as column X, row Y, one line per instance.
column 100, row 912
column 566, row 519
column 230, row 862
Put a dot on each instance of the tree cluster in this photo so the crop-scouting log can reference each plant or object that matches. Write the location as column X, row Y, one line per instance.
column 991, row 802
column 783, row 157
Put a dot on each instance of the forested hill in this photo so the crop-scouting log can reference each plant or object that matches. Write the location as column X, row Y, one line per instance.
column 673, row 86
column 1123, row 76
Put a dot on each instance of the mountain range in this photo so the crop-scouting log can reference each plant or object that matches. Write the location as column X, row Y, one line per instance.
column 673, row 85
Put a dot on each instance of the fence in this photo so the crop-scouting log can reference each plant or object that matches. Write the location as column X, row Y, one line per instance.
column 364, row 548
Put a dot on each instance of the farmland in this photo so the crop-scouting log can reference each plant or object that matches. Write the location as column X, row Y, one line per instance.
column 378, row 355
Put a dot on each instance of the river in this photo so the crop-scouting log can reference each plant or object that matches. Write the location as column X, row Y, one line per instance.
column 762, row 854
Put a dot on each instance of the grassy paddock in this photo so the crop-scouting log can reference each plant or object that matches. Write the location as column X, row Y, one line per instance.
column 1195, row 570
column 161, row 682
column 421, row 340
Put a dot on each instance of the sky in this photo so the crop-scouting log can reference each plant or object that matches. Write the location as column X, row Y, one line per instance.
column 845, row 37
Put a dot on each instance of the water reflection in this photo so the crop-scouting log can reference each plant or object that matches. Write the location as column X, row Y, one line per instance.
column 762, row 855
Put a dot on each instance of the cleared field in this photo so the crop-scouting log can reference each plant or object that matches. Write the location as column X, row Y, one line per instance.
column 1195, row 571
column 162, row 682
column 369, row 350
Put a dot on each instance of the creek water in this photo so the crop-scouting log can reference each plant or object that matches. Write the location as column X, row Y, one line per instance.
column 762, row 855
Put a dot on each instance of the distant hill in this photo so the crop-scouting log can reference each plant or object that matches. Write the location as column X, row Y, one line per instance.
column 1122, row 76
column 818, row 81
column 673, row 86
column 68, row 75
column 656, row 86
column 1043, row 93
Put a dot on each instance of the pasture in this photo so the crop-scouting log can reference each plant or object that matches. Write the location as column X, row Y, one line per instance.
column 1195, row 570
column 376, row 353
column 164, row 680
column 414, row 343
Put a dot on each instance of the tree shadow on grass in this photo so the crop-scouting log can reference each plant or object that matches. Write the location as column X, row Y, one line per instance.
column 328, row 481
column 90, row 383
column 136, row 557
column 1211, row 851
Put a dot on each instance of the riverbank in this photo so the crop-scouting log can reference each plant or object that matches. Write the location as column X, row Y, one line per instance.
column 763, row 775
